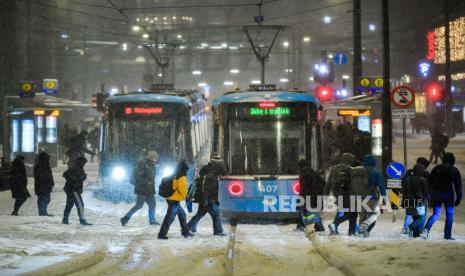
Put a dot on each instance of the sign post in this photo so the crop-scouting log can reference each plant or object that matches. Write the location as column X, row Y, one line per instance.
column 403, row 100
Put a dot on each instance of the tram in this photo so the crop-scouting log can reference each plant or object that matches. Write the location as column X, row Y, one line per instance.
column 261, row 134
column 173, row 123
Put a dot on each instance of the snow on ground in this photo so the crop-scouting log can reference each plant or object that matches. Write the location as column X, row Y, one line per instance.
column 43, row 246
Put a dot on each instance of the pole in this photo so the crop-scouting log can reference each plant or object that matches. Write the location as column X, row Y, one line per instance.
column 386, row 101
column 262, row 77
column 163, row 71
column 357, row 44
column 404, row 135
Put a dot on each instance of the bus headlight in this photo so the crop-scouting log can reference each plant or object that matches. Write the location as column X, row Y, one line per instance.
column 118, row 173
column 167, row 171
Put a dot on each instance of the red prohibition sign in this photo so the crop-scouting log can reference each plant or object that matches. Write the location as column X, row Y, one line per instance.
column 401, row 90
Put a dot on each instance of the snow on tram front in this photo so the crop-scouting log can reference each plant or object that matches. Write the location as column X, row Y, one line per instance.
column 170, row 122
column 261, row 134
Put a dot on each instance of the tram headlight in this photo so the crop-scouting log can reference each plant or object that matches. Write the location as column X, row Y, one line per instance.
column 118, row 173
column 167, row 171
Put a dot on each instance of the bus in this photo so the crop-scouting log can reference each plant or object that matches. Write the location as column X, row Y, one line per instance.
column 261, row 135
column 172, row 123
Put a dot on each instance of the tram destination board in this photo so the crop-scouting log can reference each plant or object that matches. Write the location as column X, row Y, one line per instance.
column 269, row 110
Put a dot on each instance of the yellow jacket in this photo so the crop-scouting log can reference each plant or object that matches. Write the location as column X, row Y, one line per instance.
column 179, row 188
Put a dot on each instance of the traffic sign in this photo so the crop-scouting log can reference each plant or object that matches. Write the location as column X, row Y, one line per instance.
column 394, row 183
column 340, row 58
column 378, row 82
column 50, row 86
column 365, row 82
column 403, row 113
column 371, row 85
column 403, row 96
column 395, row 170
column 27, row 88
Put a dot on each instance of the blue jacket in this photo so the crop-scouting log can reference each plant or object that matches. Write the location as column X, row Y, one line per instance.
column 375, row 178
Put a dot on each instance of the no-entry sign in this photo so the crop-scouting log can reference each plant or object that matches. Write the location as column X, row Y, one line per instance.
column 403, row 96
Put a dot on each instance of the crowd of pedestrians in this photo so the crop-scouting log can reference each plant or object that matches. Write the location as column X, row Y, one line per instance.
column 353, row 181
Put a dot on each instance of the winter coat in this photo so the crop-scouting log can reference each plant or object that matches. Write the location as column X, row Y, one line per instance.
column 75, row 176
column 415, row 189
column 43, row 177
column 375, row 178
column 179, row 188
column 339, row 177
column 445, row 178
column 211, row 174
column 143, row 178
column 19, row 178
column 311, row 185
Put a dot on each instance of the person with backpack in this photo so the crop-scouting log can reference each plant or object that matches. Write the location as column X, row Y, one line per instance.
column 446, row 189
column 207, row 196
column 143, row 179
column 339, row 184
column 311, row 189
column 18, row 183
column 43, row 182
column 75, row 177
column 370, row 192
column 408, row 218
column 415, row 196
column 175, row 191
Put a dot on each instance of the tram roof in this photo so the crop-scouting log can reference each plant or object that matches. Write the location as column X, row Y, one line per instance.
column 151, row 97
column 259, row 96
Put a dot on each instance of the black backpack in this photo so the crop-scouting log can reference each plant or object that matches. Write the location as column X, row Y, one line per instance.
column 166, row 187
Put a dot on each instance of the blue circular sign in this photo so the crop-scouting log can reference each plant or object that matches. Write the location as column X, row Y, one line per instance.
column 340, row 58
column 395, row 170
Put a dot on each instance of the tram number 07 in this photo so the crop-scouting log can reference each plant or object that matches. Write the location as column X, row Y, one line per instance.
column 268, row 188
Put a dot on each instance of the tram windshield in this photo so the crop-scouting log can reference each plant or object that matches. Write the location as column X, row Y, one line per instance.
column 129, row 136
column 266, row 147
column 267, row 138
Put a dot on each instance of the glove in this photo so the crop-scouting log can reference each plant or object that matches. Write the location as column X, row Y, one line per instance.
column 457, row 202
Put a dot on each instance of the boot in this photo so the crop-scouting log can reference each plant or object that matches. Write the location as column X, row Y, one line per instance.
column 124, row 221
column 15, row 213
column 84, row 222
column 65, row 221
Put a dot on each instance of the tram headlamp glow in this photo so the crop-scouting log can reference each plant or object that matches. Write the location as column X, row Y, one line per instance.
column 118, row 173
column 167, row 171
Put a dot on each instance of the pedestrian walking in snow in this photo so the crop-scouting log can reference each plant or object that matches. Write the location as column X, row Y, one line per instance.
column 311, row 189
column 376, row 186
column 339, row 184
column 43, row 182
column 75, row 177
column 177, row 193
column 18, row 183
column 446, row 189
column 408, row 218
column 415, row 197
column 143, row 179
column 206, row 195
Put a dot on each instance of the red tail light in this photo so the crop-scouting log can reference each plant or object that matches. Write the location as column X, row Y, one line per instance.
column 296, row 187
column 236, row 188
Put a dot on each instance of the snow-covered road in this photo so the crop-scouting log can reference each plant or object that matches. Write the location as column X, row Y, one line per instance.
column 43, row 246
